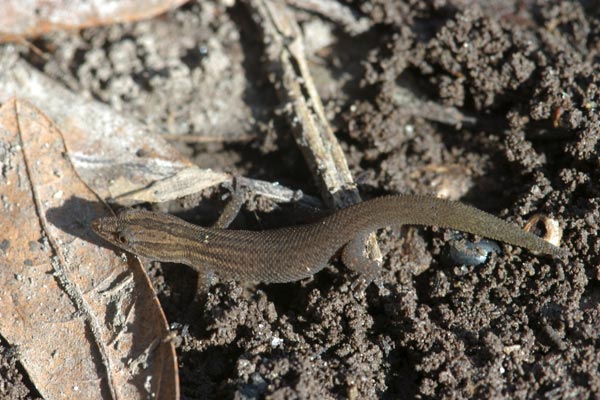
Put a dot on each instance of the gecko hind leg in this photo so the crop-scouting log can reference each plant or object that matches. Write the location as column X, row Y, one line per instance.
column 354, row 257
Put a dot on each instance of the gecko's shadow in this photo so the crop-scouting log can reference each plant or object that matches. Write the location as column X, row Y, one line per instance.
column 75, row 217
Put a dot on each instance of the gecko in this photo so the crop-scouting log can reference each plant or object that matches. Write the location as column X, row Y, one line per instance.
column 297, row 252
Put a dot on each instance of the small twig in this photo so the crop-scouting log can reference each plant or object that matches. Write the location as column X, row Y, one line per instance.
column 19, row 39
column 411, row 104
column 208, row 139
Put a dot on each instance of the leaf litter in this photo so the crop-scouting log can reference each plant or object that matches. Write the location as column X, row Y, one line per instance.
column 87, row 323
column 35, row 17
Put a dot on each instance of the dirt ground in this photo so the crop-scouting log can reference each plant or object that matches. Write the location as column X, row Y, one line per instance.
column 523, row 81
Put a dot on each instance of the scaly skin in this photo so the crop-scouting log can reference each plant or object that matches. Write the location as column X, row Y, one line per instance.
column 297, row 252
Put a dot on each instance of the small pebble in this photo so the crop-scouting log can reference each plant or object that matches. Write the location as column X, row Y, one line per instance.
column 466, row 252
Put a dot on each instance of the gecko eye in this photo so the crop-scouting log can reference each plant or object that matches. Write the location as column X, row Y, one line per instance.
column 121, row 238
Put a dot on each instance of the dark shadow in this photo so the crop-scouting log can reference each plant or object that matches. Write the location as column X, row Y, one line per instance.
column 13, row 371
column 389, row 324
column 205, row 372
column 75, row 217
column 345, row 62
column 176, row 294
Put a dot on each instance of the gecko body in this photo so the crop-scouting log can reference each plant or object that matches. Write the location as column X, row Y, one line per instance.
column 293, row 253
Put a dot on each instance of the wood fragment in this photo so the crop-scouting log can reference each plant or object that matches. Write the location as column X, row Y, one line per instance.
column 292, row 78
column 193, row 180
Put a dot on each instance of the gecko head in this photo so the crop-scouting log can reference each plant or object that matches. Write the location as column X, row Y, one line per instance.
column 113, row 230
column 129, row 231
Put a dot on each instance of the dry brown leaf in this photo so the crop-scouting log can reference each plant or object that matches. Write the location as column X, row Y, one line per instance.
column 36, row 17
column 116, row 156
column 85, row 323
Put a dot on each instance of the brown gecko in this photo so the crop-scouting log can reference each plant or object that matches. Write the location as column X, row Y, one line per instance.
column 293, row 253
